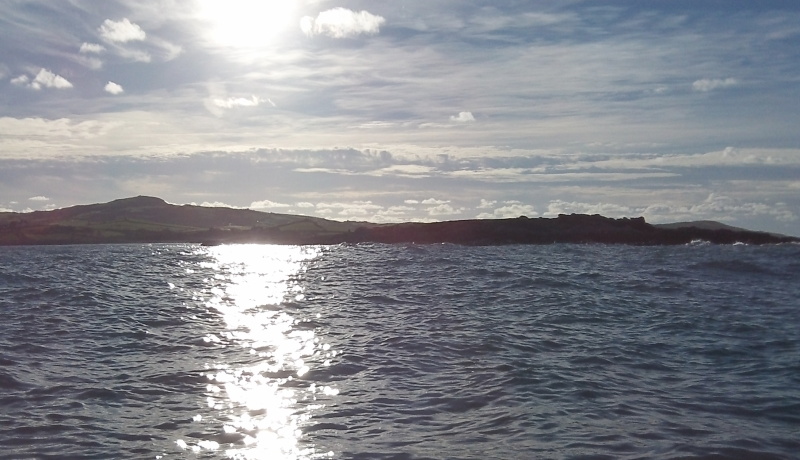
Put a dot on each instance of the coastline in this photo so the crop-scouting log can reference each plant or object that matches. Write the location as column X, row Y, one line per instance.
column 152, row 220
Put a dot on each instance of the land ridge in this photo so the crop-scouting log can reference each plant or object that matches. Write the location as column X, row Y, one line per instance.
column 146, row 219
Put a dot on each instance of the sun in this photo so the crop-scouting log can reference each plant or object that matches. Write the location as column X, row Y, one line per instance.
column 246, row 23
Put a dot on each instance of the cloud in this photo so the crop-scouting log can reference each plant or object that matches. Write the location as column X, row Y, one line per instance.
column 393, row 214
column 486, row 204
column 87, row 58
column 90, row 62
column 218, row 204
column 22, row 80
column 715, row 206
column 121, row 31
column 358, row 209
column 33, row 137
column 707, row 84
column 232, row 102
column 444, row 210
column 342, row 23
column 165, row 50
column 730, row 156
column 48, row 79
column 39, row 198
column 135, row 55
column 43, row 79
column 376, row 124
column 268, row 204
column 435, row 201
column 94, row 48
column 722, row 207
column 403, row 170
column 357, row 204
column 509, row 210
column 114, row 88
column 120, row 35
column 463, row 117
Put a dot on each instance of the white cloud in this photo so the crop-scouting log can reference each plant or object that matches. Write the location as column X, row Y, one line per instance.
column 509, row 210
column 435, row 201
column 22, row 80
column 121, row 31
column 463, row 117
column 43, row 79
column 486, row 204
column 39, row 198
column 510, row 175
column 165, row 50
column 342, row 23
column 91, row 62
column 48, row 132
column 722, row 207
column 375, row 125
column 707, row 84
column 393, row 214
column 719, row 207
column 48, row 79
column 353, row 210
column 401, row 170
column 730, row 156
column 94, row 48
column 358, row 204
column 114, row 88
column 135, row 55
column 268, row 204
column 232, row 102
column 444, row 210
column 218, row 204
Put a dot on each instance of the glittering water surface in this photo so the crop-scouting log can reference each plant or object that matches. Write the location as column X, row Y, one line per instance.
column 400, row 352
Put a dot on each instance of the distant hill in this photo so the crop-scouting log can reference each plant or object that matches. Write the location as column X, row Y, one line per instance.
column 149, row 219
column 152, row 220
column 708, row 225
column 704, row 224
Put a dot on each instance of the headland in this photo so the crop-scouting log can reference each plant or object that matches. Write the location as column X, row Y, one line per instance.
column 152, row 220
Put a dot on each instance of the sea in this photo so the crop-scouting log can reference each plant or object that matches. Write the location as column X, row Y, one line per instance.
column 369, row 351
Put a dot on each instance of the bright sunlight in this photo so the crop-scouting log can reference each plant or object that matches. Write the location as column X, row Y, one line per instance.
column 247, row 23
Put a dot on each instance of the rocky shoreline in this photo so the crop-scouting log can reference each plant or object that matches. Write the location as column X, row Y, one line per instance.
column 152, row 220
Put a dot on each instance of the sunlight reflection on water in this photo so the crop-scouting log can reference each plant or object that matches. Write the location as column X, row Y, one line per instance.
column 264, row 404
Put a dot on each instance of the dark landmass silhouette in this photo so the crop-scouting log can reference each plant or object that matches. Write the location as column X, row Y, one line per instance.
column 152, row 220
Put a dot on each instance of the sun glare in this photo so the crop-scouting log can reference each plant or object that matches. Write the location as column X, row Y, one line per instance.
column 246, row 23
column 261, row 393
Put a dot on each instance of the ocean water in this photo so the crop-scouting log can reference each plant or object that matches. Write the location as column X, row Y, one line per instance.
column 400, row 352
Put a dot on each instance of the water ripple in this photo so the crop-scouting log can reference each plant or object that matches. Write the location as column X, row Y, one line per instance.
column 400, row 352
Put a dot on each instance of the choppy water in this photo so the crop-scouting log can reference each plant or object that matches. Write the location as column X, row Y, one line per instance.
column 400, row 352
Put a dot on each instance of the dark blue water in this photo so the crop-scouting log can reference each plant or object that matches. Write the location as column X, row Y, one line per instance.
column 400, row 352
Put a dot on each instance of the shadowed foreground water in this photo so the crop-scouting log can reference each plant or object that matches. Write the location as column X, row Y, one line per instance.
column 400, row 352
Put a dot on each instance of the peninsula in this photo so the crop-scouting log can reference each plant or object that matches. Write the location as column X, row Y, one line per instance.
column 152, row 220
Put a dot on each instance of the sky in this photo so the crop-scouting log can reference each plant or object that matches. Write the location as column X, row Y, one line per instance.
column 407, row 110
